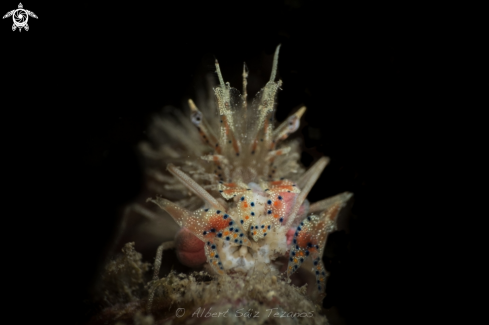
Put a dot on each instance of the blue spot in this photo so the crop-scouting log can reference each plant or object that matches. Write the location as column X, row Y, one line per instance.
column 213, row 230
column 296, row 246
column 262, row 226
column 236, row 230
column 291, row 259
column 227, row 238
column 319, row 288
column 295, row 267
column 208, row 243
column 204, row 233
column 226, row 216
column 242, row 198
column 302, row 223
column 251, row 227
column 242, row 221
column 230, row 223
column 293, row 253
column 307, row 253
column 264, row 234
column 219, row 235
column 252, row 204
column 219, row 263
column 309, row 245
column 318, row 282
column 217, row 256
column 309, row 218
column 241, row 235
column 252, row 213
column 235, row 240
column 240, row 241
column 231, row 229
column 269, row 211
column 315, row 262
column 299, row 228
column 206, row 210
column 269, row 202
column 323, row 273
column 281, row 219
column 268, row 226
column 302, row 260
column 295, row 241
column 213, row 246
column 296, row 233
column 218, row 211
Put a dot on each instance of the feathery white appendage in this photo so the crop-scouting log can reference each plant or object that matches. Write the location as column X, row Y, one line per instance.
column 275, row 64
column 312, row 176
column 157, row 265
column 194, row 187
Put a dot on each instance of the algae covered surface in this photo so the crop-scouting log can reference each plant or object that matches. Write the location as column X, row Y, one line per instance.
column 263, row 297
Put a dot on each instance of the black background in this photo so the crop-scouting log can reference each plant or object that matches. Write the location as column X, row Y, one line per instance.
column 81, row 85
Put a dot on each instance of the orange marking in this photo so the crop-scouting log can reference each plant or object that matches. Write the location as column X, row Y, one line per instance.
column 295, row 260
column 215, row 159
column 301, row 253
column 275, row 216
column 264, row 230
column 275, row 183
column 254, row 232
column 254, row 145
column 247, row 217
column 318, row 267
column 303, row 238
column 226, row 233
column 245, row 205
column 276, row 203
column 235, row 235
column 218, row 222
column 212, row 254
column 235, row 146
